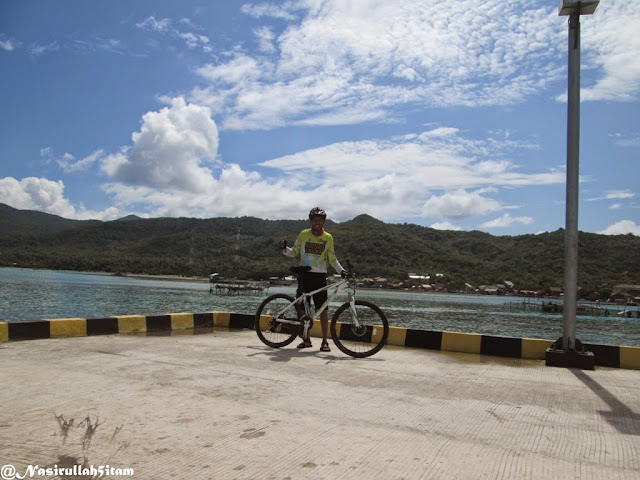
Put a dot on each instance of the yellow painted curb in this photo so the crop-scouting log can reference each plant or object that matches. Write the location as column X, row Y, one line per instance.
column 338, row 327
column 181, row 321
column 316, row 329
column 4, row 332
column 397, row 336
column 221, row 319
column 132, row 324
column 67, row 327
column 461, row 342
column 630, row 357
column 535, row 348
column 264, row 321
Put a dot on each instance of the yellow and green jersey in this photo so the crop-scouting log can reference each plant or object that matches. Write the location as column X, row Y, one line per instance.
column 315, row 252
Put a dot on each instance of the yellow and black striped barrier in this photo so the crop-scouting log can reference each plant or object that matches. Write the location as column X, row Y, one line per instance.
column 529, row 348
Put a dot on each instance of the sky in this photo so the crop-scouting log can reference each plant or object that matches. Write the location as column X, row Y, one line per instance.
column 447, row 114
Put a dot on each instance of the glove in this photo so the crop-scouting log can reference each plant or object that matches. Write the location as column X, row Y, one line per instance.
column 344, row 274
column 283, row 243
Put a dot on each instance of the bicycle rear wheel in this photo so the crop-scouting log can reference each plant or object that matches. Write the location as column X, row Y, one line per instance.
column 365, row 339
column 269, row 328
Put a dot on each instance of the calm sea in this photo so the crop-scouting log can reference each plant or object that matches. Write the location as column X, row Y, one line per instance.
column 27, row 294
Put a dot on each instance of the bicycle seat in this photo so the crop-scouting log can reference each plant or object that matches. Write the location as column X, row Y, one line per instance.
column 300, row 269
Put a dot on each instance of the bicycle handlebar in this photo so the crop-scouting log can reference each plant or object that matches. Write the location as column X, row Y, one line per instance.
column 349, row 272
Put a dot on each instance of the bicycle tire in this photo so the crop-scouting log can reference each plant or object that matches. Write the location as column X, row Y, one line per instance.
column 273, row 333
column 365, row 340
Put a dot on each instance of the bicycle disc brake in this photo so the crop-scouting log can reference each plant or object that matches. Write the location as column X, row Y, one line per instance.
column 358, row 330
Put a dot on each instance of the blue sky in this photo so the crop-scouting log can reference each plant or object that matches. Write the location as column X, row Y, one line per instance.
column 447, row 114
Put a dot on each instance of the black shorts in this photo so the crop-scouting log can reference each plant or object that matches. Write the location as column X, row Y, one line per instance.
column 312, row 281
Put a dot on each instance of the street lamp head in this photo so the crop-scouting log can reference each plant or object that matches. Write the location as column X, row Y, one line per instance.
column 583, row 7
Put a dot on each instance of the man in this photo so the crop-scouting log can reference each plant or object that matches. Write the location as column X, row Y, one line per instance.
column 316, row 250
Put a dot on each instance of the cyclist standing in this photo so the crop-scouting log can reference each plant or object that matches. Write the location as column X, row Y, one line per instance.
column 316, row 250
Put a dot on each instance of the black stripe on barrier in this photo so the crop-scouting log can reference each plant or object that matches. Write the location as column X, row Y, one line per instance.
column 501, row 346
column 102, row 326
column 29, row 330
column 158, row 323
column 605, row 355
column 423, row 339
column 241, row 320
column 203, row 320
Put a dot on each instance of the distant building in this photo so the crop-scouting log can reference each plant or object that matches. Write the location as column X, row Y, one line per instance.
column 632, row 290
column 380, row 282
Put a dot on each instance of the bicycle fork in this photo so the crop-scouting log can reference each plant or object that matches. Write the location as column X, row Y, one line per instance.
column 307, row 319
column 352, row 307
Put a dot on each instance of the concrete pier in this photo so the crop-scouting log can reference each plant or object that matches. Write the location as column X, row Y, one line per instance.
column 222, row 406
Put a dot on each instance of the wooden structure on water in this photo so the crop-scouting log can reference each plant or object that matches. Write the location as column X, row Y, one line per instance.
column 221, row 286
column 592, row 310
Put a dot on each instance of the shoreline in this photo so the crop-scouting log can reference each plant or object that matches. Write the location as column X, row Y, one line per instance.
column 145, row 276
column 179, row 278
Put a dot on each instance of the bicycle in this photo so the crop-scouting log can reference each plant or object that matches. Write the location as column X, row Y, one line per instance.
column 358, row 328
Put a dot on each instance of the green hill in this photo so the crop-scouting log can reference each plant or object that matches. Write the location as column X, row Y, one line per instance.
column 247, row 248
column 19, row 221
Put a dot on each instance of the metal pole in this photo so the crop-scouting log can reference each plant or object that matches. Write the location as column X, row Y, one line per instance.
column 573, row 158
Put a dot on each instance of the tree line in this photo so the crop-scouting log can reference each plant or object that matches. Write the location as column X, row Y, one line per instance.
column 247, row 248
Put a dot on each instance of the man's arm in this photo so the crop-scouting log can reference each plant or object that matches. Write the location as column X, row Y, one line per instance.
column 291, row 252
column 333, row 260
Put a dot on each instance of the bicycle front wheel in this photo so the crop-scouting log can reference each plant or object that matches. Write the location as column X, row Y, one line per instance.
column 365, row 339
column 268, row 322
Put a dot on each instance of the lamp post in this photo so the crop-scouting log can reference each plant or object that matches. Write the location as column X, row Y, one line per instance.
column 567, row 351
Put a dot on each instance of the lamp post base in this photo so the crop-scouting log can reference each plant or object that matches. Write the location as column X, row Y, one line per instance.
column 557, row 357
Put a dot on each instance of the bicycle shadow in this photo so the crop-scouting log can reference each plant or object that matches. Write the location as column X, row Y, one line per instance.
column 287, row 354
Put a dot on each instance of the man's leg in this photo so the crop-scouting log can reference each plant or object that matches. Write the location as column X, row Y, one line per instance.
column 324, row 323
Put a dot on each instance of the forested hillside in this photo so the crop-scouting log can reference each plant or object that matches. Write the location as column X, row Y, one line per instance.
column 247, row 248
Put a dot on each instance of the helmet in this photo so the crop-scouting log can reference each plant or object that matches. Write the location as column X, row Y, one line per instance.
column 317, row 212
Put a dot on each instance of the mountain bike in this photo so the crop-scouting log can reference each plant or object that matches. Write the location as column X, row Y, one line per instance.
column 358, row 328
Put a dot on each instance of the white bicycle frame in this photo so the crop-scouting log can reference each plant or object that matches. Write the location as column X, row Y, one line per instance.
column 306, row 298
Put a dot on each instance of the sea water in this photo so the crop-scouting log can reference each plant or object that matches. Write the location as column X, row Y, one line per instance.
column 31, row 294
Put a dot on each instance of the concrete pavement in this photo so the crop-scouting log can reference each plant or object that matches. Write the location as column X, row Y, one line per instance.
column 224, row 406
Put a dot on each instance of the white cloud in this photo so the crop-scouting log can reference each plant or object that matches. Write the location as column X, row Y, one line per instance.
column 398, row 177
column 622, row 227
column 614, row 195
column 459, row 204
column 369, row 56
column 8, row 45
column 236, row 71
column 283, row 12
column 46, row 196
column 627, row 141
column 150, row 23
column 35, row 194
column 172, row 169
column 166, row 26
column 611, row 45
column 37, row 50
column 171, row 150
column 352, row 61
column 68, row 162
column 445, row 226
column 506, row 220
column 265, row 37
